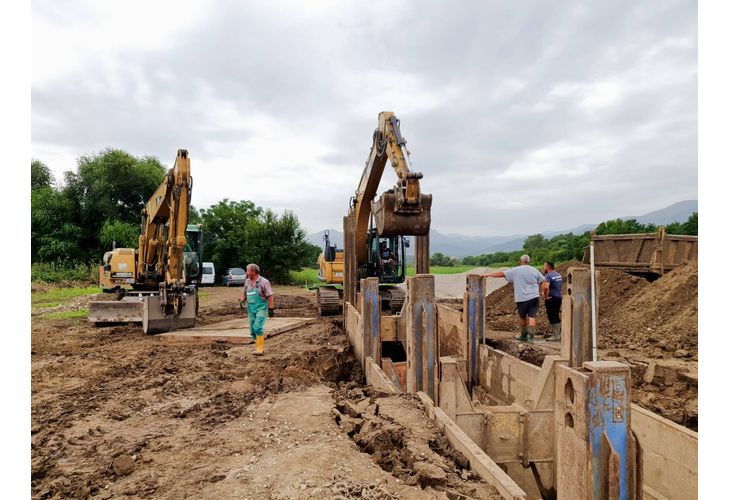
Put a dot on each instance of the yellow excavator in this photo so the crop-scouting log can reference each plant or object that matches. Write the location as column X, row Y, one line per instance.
column 375, row 230
column 163, row 297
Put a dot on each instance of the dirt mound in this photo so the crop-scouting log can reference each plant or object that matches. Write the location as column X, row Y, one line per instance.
column 615, row 288
column 660, row 318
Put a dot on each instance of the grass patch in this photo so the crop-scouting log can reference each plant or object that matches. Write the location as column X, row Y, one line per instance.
column 78, row 313
column 411, row 270
column 61, row 295
column 307, row 276
column 57, row 273
column 42, row 305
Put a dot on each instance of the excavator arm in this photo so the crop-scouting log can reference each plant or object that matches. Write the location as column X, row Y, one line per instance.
column 403, row 210
column 161, row 256
column 161, row 252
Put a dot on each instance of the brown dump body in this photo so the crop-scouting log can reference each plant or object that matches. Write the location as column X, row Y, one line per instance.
column 655, row 253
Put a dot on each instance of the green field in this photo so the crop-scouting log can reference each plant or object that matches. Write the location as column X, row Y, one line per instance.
column 308, row 276
column 75, row 314
column 411, row 270
column 58, row 296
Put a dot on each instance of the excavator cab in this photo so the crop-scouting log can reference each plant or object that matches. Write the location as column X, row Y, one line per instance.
column 387, row 258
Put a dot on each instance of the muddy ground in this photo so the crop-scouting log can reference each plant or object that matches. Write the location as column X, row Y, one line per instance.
column 115, row 413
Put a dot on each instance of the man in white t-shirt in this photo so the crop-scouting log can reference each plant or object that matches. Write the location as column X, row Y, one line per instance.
column 527, row 282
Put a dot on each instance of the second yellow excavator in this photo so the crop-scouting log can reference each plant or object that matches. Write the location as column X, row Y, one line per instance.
column 376, row 230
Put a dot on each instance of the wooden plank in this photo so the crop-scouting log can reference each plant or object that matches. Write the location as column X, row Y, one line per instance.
column 543, row 392
column 506, row 377
column 452, row 388
column 353, row 328
column 388, row 328
column 452, row 336
column 232, row 334
column 377, row 378
column 478, row 460
column 472, row 424
column 668, row 455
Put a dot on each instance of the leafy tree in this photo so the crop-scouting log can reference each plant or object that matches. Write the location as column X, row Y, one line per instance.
column 241, row 233
column 109, row 186
column 627, row 226
column 121, row 234
column 54, row 237
column 690, row 227
column 40, row 175
column 439, row 259
column 194, row 216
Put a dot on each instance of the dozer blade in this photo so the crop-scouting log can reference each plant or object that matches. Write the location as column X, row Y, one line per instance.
column 154, row 320
column 115, row 311
column 390, row 222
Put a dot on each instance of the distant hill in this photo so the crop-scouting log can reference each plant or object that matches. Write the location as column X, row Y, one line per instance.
column 459, row 245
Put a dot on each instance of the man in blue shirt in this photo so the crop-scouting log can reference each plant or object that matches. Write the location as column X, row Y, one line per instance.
column 526, row 280
column 553, row 295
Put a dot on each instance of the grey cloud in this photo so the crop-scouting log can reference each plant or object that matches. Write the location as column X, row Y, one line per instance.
column 312, row 74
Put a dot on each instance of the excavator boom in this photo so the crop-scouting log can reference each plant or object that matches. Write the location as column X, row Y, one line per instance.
column 401, row 210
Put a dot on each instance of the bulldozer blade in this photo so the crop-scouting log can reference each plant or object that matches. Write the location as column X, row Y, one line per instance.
column 154, row 320
column 391, row 222
column 115, row 311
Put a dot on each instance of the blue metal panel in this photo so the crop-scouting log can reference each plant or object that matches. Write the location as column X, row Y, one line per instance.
column 475, row 327
column 608, row 406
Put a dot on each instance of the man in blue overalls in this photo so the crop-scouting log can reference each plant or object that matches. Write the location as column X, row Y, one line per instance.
column 259, row 296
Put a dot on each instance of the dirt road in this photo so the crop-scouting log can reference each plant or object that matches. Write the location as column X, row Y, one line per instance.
column 117, row 413
column 452, row 286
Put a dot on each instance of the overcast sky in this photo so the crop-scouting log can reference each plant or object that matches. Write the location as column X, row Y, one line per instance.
column 522, row 116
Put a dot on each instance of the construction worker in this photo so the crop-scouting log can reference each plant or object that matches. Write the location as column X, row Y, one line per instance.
column 526, row 280
column 388, row 259
column 258, row 296
column 552, row 292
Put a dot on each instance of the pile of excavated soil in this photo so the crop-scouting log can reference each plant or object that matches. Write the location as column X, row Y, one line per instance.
column 649, row 322
column 658, row 318
column 615, row 286
column 661, row 319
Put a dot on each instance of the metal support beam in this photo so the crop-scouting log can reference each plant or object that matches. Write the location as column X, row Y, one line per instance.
column 371, row 318
column 577, row 342
column 421, row 335
column 422, row 254
column 596, row 451
column 474, row 314
column 349, row 277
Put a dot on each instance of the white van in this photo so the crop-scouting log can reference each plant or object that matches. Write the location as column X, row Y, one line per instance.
column 207, row 278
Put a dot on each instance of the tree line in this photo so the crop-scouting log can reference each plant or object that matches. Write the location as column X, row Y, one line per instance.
column 564, row 247
column 76, row 219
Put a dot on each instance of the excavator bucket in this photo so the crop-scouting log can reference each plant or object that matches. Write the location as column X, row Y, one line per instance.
column 155, row 320
column 391, row 222
column 127, row 310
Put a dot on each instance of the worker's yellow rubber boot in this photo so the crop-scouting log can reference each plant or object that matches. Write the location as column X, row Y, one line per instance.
column 259, row 345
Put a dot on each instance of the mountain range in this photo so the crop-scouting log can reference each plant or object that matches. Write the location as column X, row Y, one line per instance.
column 459, row 245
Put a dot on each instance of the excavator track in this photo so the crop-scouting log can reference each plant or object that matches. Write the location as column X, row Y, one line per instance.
column 393, row 298
column 328, row 300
